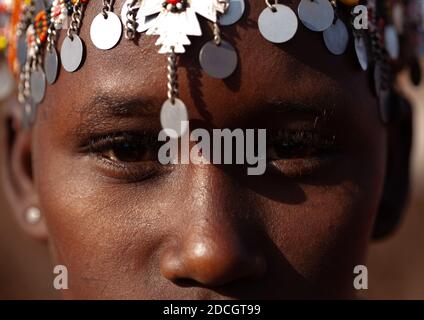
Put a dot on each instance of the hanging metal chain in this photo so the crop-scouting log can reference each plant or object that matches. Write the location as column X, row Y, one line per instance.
column 226, row 4
column 271, row 5
column 24, row 78
column 107, row 7
column 131, row 24
column 37, row 57
column 216, row 29
column 27, row 15
column 383, row 73
column 172, row 76
column 380, row 53
column 336, row 11
column 76, row 19
column 25, row 72
column 217, row 34
column 51, row 36
column 24, row 93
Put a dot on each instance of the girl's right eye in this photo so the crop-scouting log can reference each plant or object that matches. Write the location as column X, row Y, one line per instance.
column 126, row 147
column 127, row 156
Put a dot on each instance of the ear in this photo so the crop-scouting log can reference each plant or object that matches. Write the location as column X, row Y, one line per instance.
column 16, row 170
column 396, row 187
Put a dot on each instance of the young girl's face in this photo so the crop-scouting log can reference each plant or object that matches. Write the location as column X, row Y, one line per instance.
column 126, row 226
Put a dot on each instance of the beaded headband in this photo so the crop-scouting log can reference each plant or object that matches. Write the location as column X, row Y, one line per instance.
column 28, row 32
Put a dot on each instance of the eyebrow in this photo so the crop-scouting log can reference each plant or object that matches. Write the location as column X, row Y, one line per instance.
column 322, row 106
column 103, row 110
column 314, row 108
column 108, row 105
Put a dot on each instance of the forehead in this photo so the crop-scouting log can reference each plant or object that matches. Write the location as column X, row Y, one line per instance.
column 299, row 69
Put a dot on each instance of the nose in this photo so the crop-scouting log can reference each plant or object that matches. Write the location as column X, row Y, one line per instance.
column 212, row 256
column 217, row 245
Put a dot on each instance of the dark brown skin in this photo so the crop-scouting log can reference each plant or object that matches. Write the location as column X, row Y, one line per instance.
column 146, row 231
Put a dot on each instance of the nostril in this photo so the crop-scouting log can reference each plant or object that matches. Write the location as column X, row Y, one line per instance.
column 186, row 282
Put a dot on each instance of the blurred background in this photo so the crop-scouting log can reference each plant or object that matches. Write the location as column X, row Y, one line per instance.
column 395, row 265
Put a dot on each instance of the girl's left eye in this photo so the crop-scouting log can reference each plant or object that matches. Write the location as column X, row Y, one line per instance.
column 299, row 145
column 301, row 153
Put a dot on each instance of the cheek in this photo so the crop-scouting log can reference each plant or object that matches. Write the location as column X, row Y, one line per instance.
column 325, row 236
column 105, row 234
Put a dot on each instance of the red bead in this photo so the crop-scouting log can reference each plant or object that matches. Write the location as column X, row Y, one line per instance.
column 173, row 2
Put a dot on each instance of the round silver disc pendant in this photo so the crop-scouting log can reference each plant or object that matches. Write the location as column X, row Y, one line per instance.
column 233, row 14
column 391, row 40
column 105, row 33
column 71, row 53
column 279, row 26
column 174, row 118
column 316, row 15
column 336, row 37
column 218, row 61
column 51, row 63
column 361, row 52
column 38, row 85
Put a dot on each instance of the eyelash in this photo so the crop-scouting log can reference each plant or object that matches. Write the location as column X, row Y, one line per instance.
column 294, row 152
column 301, row 144
column 116, row 139
column 301, row 153
column 106, row 150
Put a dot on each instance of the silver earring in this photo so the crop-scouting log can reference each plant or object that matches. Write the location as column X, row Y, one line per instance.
column 32, row 215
